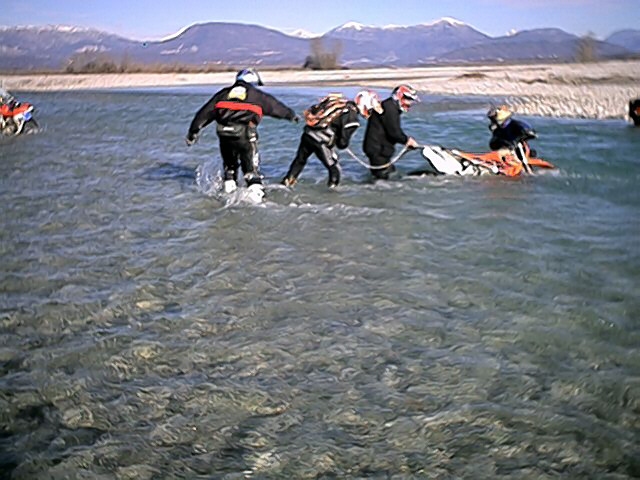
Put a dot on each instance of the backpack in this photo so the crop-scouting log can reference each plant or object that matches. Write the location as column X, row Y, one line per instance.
column 326, row 111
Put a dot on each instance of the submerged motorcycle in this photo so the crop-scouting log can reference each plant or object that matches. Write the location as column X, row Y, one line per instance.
column 15, row 117
column 445, row 161
column 511, row 155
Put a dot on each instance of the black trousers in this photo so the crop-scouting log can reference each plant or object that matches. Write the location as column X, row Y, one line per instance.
column 318, row 143
column 377, row 159
column 239, row 148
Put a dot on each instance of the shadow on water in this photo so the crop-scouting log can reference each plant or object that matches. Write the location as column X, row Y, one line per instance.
column 32, row 130
column 170, row 171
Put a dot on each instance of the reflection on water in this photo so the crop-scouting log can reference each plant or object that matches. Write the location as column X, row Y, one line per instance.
column 421, row 328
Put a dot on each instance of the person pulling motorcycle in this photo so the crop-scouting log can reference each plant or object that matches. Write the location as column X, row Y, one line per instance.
column 384, row 131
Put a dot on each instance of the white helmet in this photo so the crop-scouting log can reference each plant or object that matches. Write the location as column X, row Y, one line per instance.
column 367, row 101
column 249, row 75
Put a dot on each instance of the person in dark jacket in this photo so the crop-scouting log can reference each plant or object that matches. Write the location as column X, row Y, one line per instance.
column 384, row 131
column 508, row 134
column 634, row 111
column 330, row 125
column 238, row 110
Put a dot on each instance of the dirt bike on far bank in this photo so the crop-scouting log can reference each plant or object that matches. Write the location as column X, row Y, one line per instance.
column 15, row 117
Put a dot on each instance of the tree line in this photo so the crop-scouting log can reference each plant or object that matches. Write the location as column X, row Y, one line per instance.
column 321, row 57
column 103, row 63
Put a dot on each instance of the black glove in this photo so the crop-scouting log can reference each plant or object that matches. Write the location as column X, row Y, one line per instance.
column 191, row 139
column 296, row 119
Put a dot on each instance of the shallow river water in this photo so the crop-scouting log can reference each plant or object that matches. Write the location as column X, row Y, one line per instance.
column 416, row 328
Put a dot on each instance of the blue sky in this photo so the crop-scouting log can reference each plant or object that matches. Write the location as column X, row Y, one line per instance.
column 155, row 19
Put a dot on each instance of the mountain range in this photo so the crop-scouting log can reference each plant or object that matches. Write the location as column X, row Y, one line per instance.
column 356, row 45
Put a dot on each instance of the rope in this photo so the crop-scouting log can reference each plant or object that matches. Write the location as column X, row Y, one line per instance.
column 377, row 167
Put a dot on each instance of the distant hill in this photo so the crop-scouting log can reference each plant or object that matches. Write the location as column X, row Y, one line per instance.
column 537, row 44
column 229, row 43
column 400, row 45
column 629, row 39
column 233, row 44
column 52, row 46
column 208, row 43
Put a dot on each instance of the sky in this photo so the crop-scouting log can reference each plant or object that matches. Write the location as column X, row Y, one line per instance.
column 156, row 19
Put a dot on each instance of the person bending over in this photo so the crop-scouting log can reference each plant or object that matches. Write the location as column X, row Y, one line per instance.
column 237, row 110
column 330, row 124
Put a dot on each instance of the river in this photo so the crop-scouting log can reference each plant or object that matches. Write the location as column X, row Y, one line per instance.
column 436, row 327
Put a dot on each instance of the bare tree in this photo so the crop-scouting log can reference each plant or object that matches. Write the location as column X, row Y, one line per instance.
column 586, row 49
column 91, row 62
column 322, row 59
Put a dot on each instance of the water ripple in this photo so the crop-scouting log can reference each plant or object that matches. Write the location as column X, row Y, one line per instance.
column 424, row 327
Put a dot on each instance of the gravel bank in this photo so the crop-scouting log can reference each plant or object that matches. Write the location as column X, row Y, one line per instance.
column 592, row 90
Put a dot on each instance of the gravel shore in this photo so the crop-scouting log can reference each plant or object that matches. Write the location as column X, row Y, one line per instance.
column 590, row 90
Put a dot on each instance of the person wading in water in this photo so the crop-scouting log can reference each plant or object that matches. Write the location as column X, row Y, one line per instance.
column 237, row 110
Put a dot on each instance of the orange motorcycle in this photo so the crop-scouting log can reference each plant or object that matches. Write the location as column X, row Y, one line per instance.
column 446, row 161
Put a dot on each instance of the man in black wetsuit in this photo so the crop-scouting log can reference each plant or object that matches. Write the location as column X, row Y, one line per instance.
column 330, row 125
column 508, row 134
column 384, row 130
column 238, row 110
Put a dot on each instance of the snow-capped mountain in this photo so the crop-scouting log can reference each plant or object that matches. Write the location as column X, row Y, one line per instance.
column 234, row 44
column 539, row 44
column 51, row 46
column 199, row 44
column 300, row 33
column 411, row 44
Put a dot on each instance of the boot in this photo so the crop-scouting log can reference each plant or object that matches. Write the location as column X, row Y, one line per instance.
column 334, row 176
column 255, row 193
column 288, row 181
column 229, row 186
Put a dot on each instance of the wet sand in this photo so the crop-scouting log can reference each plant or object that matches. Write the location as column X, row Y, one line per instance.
column 590, row 90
